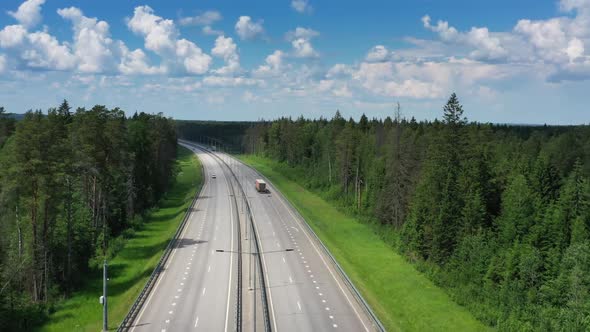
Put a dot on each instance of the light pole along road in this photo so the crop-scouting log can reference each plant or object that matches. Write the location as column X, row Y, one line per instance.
column 197, row 289
column 305, row 290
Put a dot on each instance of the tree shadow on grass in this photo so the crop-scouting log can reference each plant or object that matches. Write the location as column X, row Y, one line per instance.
column 140, row 252
column 166, row 216
column 123, row 286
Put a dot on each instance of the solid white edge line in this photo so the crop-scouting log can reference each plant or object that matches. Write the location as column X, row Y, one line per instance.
column 325, row 263
column 231, row 261
column 160, row 277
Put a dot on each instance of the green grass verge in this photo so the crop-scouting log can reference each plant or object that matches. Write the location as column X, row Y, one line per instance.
column 131, row 267
column 402, row 298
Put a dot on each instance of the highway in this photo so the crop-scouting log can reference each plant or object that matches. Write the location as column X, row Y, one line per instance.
column 198, row 286
column 306, row 292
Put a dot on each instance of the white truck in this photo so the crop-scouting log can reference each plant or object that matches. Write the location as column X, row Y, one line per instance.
column 260, row 186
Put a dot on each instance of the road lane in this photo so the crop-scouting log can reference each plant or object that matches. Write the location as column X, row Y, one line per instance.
column 305, row 291
column 197, row 289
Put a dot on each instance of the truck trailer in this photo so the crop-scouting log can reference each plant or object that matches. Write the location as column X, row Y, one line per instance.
column 260, row 186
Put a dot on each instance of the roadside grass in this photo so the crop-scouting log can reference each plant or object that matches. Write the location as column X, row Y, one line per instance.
column 131, row 267
column 402, row 298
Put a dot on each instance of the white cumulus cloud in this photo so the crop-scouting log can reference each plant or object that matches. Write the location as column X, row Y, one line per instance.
column 28, row 13
column 300, row 39
column 226, row 49
column 161, row 37
column 93, row 47
column 273, row 65
column 248, row 29
column 301, row 6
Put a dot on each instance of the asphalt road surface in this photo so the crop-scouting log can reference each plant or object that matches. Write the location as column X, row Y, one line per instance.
column 306, row 292
column 197, row 288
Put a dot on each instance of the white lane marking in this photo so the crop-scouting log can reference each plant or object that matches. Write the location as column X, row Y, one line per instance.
column 197, row 321
column 335, row 325
column 204, row 289
column 295, row 228
column 167, row 321
column 325, row 263
column 160, row 277
column 170, row 312
column 209, row 268
column 299, row 305
column 284, row 259
column 327, row 308
column 331, row 317
column 231, row 256
column 173, row 304
column 290, row 279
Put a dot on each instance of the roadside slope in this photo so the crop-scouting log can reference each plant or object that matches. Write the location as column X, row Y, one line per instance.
column 402, row 298
column 132, row 266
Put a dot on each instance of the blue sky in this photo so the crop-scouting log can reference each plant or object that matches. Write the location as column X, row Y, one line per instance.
column 509, row 61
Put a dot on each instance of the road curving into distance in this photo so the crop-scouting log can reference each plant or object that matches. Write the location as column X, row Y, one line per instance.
column 197, row 289
column 305, row 290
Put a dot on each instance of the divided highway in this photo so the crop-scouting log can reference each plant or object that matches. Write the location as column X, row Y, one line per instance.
column 197, row 289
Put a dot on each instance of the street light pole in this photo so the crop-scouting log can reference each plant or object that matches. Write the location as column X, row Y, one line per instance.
column 105, row 313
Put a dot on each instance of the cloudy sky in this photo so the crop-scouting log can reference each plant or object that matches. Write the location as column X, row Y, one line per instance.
column 509, row 61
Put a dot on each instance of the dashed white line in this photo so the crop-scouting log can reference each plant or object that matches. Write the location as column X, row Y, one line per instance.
column 197, row 321
column 299, row 305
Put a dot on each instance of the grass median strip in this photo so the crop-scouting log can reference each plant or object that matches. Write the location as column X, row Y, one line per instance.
column 131, row 267
column 402, row 298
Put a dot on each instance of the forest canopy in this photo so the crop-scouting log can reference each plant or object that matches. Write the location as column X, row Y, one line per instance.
column 73, row 185
column 498, row 215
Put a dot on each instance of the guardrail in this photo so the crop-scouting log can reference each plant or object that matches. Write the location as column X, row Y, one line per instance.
column 132, row 314
column 239, row 269
column 359, row 298
column 264, row 293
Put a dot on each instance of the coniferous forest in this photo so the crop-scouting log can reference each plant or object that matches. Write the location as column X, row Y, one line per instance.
column 498, row 215
column 73, row 185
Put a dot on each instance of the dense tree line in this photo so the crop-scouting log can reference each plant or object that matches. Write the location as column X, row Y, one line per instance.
column 214, row 132
column 71, row 185
column 499, row 215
